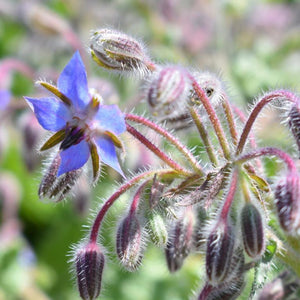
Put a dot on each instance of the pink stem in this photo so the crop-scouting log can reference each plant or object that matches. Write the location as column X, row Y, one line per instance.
column 230, row 196
column 183, row 149
column 270, row 151
column 276, row 95
column 155, row 150
column 97, row 223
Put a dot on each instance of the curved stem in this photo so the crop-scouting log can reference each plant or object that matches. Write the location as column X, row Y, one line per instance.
column 212, row 116
column 269, row 151
column 98, row 220
column 137, row 197
column 204, row 136
column 276, row 95
column 182, row 148
column 156, row 151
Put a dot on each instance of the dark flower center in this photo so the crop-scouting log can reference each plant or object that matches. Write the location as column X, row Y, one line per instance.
column 74, row 136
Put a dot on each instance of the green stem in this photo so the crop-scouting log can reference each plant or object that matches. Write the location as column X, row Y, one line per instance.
column 204, row 136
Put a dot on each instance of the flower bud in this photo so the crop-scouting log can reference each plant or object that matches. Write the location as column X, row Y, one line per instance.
column 287, row 199
column 89, row 263
column 252, row 230
column 56, row 188
column 119, row 52
column 167, row 93
column 129, row 242
column 219, row 252
column 294, row 123
column 285, row 286
column 50, row 177
column 157, row 229
column 180, row 241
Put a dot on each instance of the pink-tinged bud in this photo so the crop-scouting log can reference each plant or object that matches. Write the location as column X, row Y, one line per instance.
column 157, row 229
column 167, row 93
column 219, row 252
column 285, row 286
column 130, row 242
column 57, row 188
column 252, row 230
column 180, row 241
column 50, row 177
column 31, row 134
column 119, row 52
column 287, row 199
column 294, row 123
column 89, row 263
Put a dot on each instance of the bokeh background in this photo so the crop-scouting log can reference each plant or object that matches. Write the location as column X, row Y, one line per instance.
column 253, row 45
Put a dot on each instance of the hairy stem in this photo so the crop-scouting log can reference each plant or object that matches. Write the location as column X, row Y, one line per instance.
column 212, row 116
column 204, row 136
column 171, row 163
column 230, row 196
column 276, row 95
column 269, row 151
column 98, row 220
column 182, row 148
column 230, row 120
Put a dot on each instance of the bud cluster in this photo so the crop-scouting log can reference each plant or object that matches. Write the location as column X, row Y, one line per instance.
column 205, row 200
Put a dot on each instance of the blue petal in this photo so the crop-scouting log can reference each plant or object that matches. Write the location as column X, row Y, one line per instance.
column 74, row 158
column 110, row 118
column 5, row 96
column 72, row 82
column 108, row 154
column 51, row 113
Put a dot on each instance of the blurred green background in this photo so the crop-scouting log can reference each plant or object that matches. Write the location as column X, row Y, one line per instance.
column 253, row 45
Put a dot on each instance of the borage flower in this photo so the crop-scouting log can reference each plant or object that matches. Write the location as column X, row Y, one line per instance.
column 82, row 124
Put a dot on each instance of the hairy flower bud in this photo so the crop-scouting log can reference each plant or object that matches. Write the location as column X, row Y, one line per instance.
column 89, row 263
column 219, row 252
column 167, row 93
column 129, row 242
column 285, row 286
column 252, row 230
column 119, row 52
column 180, row 241
column 287, row 199
column 56, row 188
column 294, row 123
column 157, row 229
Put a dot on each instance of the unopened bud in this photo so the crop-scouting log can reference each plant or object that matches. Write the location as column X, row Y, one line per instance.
column 252, row 230
column 219, row 252
column 180, row 241
column 129, row 242
column 119, row 52
column 294, row 123
column 50, row 177
column 285, row 286
column 157, row 229
column 167, row 92
column 56, row 188
column 287, row 199
column 89, row 263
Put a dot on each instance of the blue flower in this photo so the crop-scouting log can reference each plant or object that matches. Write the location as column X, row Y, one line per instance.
column 84, row 127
